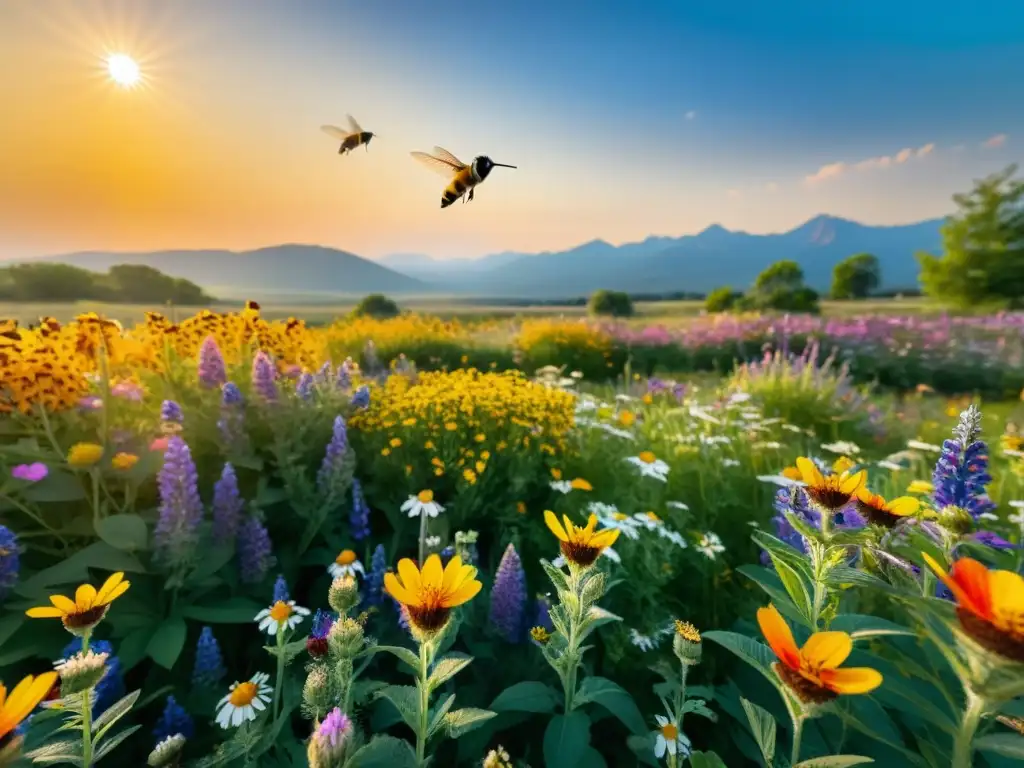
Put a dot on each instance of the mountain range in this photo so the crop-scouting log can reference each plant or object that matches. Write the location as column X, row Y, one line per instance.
column 692, row 263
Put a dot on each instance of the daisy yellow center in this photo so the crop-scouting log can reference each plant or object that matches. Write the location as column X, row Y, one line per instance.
column 620, row 516
column 244, row 693
column 581, row 485
column 425, row 497
column 653, row 517
column 647, row 457
column 280, row 611
column 670, row 732
column 347, row 557
column 627, row 419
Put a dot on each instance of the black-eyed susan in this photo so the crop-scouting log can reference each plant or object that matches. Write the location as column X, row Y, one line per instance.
column 876, row 510
column 830, row 492
column 580, row 546
column 87, row 609
column 25, row 696
column 813, row 672
column 990, row 605
column 346, row 564
column 429, row 595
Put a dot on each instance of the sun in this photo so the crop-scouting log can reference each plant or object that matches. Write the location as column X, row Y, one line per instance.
column 123, row 70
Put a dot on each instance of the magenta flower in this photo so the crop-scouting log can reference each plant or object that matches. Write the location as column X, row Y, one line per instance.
column 32, row 473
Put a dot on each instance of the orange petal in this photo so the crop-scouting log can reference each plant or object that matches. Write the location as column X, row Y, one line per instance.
column 554, row 526
column 779, row 636
column 827, row 650
column 973, row 579
column 851, row 679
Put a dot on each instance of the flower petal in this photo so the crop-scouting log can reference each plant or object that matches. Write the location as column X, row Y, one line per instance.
column 968, row 582
column 779, row 636
column 44, row 612
column 103, row 597
column 809, row 471
column 554, row 526
column 452, row 572
column 63, row 604
column 903, row 506
column 827, row 649
column 852, row 483
column 85, row 597
column 432, row 574
column 463, row 594
column 851, row 679
column 410, row 575
column 1007, row 596
column 394, row 588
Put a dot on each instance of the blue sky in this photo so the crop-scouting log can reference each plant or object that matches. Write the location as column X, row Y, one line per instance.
column 626, row 119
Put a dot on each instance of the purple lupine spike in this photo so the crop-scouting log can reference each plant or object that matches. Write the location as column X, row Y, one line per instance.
column 304, row 387
column 543, row 617
column 333, row 456
column 359, row 518
column 170, row 412
column 323, row 376
column 212, row 372
column 227, row 506
column 361, row 397
column 208, row 670
column 961, row 472
column 255, row 550
column 263, row 376
column 181, row 510
column 343, row 381
column 231, row 424
column 508, row 596
column 230, row 394
column 10, row 561
column 374, row 584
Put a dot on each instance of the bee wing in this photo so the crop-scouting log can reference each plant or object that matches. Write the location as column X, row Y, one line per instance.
column 441, row 165
column 443, row 154
column 353, row 124
column 335, row 131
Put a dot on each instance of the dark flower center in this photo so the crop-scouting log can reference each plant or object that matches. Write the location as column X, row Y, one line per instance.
column 1009, row 646
column 83, row 619
column 579, row 553
column 806, row 690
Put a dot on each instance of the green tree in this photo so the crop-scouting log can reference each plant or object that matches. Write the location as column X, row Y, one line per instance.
column 856, row 277
column 983, row 246
column 721, row 299
column 610, row 304
column 781, row 287
column 378, row 306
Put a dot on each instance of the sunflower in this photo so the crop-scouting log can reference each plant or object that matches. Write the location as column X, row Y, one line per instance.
column 87, row 609
column 429, row 595
column 990, row 605
column 23, row 699
column 580, row 546
column 830, row 492
column 878, row 511
column 812, row 672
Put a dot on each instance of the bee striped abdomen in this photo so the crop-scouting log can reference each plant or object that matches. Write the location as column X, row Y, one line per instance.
column 458, row 187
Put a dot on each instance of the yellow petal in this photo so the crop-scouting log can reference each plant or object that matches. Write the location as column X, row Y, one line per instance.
column 28, row 693
column 85, row 597
column 432, row 574
column 903, row 506
column 779, row 636
column 851, row 680
column 451, row 574
column 115, row 593
column 394, row 588
column 554, row 526
column 44, row 612
column 809, row 471
column 605, row 538
column 410, row 575
column 1007, row 595
column 852, row 483
column 827, row 649
column 108, row 587
column 591, row 525
column 464, row 594
column 63, row 604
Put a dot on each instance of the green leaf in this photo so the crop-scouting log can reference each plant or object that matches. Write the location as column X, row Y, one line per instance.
column 770, row 582
column 167, row 642
column 437, row 715
column 57, row 752
column 780, row 549
column 288, row 651
column 793, row 584
column 615, row 699
column 384, row 752
column 861, row 627
column 834, row 761
column 56, row 487
column 234, row 610
column 403, row 654
column 447, row 668
column 1006, row 744
column 566, row 740
column 754, row 653
column 127, row 532
column 113, row 713
column 465, row 720
column 132, row 649
column 844, row 575
column 212, row 558
column 706, row 760
column 763, row 727
column 112, row 743
column 406, row 699
column 528, row 696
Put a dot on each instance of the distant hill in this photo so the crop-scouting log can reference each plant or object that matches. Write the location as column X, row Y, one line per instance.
column 696, row 263
column 279, row 268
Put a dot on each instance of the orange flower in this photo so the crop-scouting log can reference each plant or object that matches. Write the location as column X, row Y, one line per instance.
column 830, row 492
column 877, row 510
column 990, row 605
column 23, row 699
column 812, row 672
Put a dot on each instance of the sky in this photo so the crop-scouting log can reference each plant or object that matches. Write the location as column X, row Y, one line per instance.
column 624, row 119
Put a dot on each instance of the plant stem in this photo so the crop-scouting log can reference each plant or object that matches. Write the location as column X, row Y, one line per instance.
column 423, row 537
column 279, row 682
column 798, row 733
column 962, row 747
column 421, row 683
column 86, row 714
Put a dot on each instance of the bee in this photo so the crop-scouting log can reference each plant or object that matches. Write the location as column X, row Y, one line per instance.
column 351, row 138
column 464, row 178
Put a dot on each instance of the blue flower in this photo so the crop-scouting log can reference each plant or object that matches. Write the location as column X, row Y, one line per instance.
column 375, row 580
column 304, row 386
column 508, row 597
column 281, row 590
column 334, row 457
column 181, row 510
column 263, row 375
column 10, row 561
column 255, row 551
column 208, row 670
column 111, row 686
column 227, row 506
column 173, row 720
column 961, row 472
column 361, row 397
column 359, row 518
column 170, row 412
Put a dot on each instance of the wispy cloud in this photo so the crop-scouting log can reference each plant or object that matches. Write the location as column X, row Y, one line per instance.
column 835, row 170
column 772, row 187
column 994, row 142
column 691, row 114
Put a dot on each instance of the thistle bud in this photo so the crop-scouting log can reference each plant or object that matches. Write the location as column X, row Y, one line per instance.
column 331, row 741
column 81, row 672
column 167, row 753
column 343, row 594
column 345, row 639
column 686, row 643
column 956, row 520
column 540, row 636
column 316, row 693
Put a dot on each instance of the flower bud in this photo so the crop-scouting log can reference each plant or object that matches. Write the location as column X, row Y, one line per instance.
column 81, row 672
column 316, row 693
column 167, row 753
column 345, row 639
column 686, row 643
column 540, row 636
column 343, row 594
column 331, row 741
column 957, row 520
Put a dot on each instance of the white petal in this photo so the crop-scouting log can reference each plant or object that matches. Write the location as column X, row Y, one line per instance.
column 659, row 747
column 258, row 704
column 261, row 615
column 409, row 503
column 224, row 716
column 237, row 714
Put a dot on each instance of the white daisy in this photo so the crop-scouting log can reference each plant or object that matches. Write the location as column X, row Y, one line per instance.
column 244, row 701
column 892, row 466
column 674, row 536
column 715, row 440
column 643, row 642
column 562, row 486
column 988, row 516
column 624, row 398
column 730, row 463
column 917, row 445
column 281, row 615
column 648, row 520
column 650, row 466
column 612, row 518
column 676, row 505
column 422, row 504
column 710, row 545
column 670, row 739
column 738, row 397
column 615, row 431
column 791, row 428
column 770, row 445
column 842, row 447
column 785, row 482
column 700, row 413
column 1013, row 454
column 346, row 564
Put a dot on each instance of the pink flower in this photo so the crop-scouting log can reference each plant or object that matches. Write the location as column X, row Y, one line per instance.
column 90, row 403
column 33, row 473
column 127, row 389
column 159, row 444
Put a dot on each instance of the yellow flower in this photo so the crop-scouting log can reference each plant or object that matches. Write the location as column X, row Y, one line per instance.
column 647, row 399
column 23, row 699
column 521, row 507
column 470, row 476
column 429, row 595
column 480, row 466
column 687, row 631
column 830, row 492
column 84, row 454
column 451, row 426
column 921, row 487
column 385, row 451
column 429, row 445
column 409, row 422
column 480, row 437
column 396, row 442
column 540, row 635
column 627, row 418
column 581, row 485
column 877, row 510
column 87, row 609
column 843, row 464
column 124, row 461
column 580, row 546
column 556, row 473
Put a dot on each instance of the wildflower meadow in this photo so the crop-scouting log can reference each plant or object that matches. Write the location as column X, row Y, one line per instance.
column 778, row 542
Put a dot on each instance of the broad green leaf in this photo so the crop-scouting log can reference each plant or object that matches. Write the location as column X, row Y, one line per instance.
column 615, row 699
column 794, row 585
column 74, row 570
column 754, row 653
column 528, row 696
column 69, row 751
column 770, row 582
column 844, row 575
column 566, row 740
column 127, row 532
column 762, row 726
column 114, row 712
column 834, row 761
column 643, row 748
column 167, row 642
column 861, row 627
column 465, row 720
column 112, row 743
column 9, row 625
column 406, row 699
column 706, row 760
column 384, row 752
column 778, row 548
column 56, row 487
column 404, row 654
column 132, row 648
column 234, row 610
column 438, row 713
column 593, row 759
column 447, row 668
column 1006, row 744
column 212, row 559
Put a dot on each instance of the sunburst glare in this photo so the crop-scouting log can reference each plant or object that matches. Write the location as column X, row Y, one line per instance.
column 123, row 70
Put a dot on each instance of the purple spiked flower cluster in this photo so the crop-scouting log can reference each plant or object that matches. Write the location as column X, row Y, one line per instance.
column 304, row 386
column 231, row 424
column 208, row 669
column 212, row 371
column 181, row 510
column 343, row 380
column 359, row 517
column 170, row 412
column 961, row 473
column 333, row 457
column 255, row 551
column 508, row 596
column 227, row 506
column 263, row 377
column 10, row 561
column 374, row 594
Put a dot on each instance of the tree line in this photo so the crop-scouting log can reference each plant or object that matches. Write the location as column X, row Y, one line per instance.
column 125, row 284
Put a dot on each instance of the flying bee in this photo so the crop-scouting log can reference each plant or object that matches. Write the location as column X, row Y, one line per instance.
column 351, row 138
column 464, row 178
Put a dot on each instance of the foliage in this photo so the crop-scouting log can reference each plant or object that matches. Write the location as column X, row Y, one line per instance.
column 722, row 299
column 610, row 304
column 856, row 277
column 575, row 344
column 781, row 287
column 378, row 306
column 983, row 244
column 124, row 283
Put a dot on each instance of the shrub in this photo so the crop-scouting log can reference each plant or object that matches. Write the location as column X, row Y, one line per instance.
column 722, row 299
column 376, row 305
column 573, row 343
column 610, row 304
